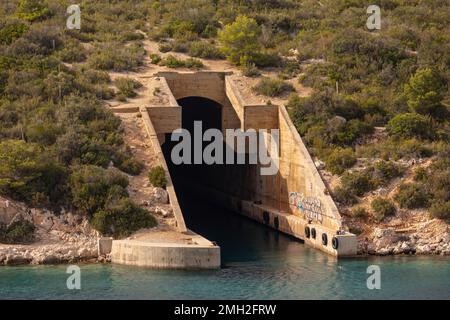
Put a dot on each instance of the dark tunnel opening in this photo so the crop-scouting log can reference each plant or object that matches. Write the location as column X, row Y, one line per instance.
column 203, row 213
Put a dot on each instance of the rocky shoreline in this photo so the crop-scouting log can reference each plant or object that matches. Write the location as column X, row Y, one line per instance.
column 391, row 242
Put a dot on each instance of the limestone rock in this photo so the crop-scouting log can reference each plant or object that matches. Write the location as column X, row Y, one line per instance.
column 160, row 195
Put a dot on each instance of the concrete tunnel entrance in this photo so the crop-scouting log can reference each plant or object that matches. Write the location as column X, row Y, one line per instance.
column 197, row 182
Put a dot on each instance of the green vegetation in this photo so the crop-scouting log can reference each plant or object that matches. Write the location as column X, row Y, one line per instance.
column 272, row 87
column 382, row 208
column 57, row 139
column 19, row 231
column 409, row 125
column 340, row 159
column 127, row 87
column 412, row 196
column 202, row 49
column 357, row 183
column 360, row 213
column 54, row 127
column 116, row 57
column 240, row 40
column 173, row 62
column 122, row 219
column 157, row 177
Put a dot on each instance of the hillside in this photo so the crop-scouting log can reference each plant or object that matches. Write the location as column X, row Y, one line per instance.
column 372, row 106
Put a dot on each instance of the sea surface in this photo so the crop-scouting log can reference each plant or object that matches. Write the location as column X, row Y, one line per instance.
column 257, row 263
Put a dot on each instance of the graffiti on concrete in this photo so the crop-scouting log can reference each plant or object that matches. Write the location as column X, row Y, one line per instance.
column 310, row 206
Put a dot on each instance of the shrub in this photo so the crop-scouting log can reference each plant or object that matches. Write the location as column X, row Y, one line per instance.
column 122, row 220
column 192, row 63
column 385, row 171
column 131, row 166
column 32, row 10
column 72, row 52
column 127, row 86
column 165, row 47
column 382, row 208
column 114, row 56
column 250, row 70
column 344, row 196
column 157, row 177
column 272, row 87
column 421, row 174
column 173, row 62
column 411, row 196
column 440, row 210
column 360, row 213
column 240, row 40
column 155, row 58
column 20, row 231
column 409, row 125
column 339, row 160
column 11, row 32
column 91, row 186
column 25, row 171
column 352, row 130
column 425, row 92
column 357, row 183
column 202, row 49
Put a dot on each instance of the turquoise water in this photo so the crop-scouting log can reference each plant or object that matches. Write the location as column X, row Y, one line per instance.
column 258, row 263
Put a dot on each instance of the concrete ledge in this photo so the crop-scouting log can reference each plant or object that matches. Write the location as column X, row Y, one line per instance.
column 165, row 255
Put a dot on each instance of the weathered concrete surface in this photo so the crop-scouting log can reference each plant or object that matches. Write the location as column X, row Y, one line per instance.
column 165, row 255
column 290, row 200
column 104, row 245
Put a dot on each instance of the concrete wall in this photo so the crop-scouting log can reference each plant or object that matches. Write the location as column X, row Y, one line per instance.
column 296, row 195
column 153, row 137
column 165, row 255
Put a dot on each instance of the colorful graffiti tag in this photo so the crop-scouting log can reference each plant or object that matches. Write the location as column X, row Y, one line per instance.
column 310, row 206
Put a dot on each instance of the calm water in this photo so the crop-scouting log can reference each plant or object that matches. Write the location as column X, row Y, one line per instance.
column 257, row 262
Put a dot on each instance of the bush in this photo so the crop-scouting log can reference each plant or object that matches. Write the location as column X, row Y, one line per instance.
column 122, row 220
column 155, row 58
column 11, row 32
column 411, row 196
column 440, row 210
column 357, row 183
column 250, row 70
column 91, row 187
column 382, row 208
column 131, row 166
column 127, row 86
column 20, row 231
column 344, row 196
column 272, row 87
column 240, row 40
column 339, row 160
column 409, row 125
column 157, row 177
column 173, row 62
column 205, row 50
column 360, row 213
column 114, row 56
column 32, row 10
column 385, row 171
column 192, row 63
column 72, row 52
column 25, row 171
